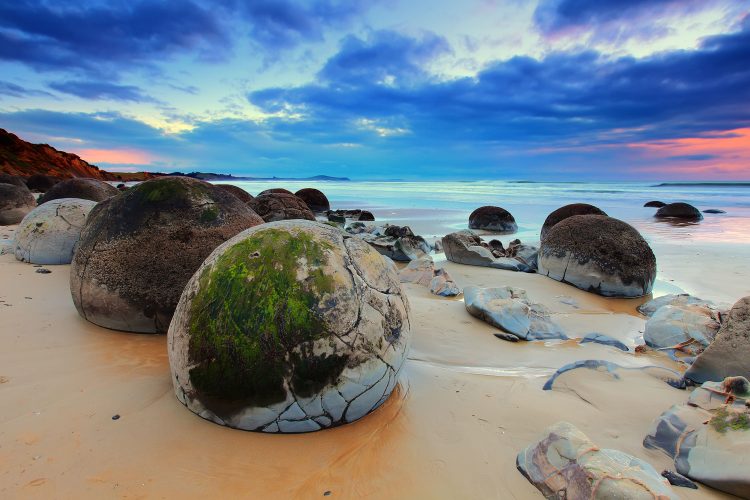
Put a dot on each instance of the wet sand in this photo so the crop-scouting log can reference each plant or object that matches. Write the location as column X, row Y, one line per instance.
column 467, row 404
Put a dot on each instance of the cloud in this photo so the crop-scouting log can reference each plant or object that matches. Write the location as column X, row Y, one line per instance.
column 13, row 90
column 98, row 91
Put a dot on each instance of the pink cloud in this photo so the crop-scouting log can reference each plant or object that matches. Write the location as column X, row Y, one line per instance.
column 116, row 156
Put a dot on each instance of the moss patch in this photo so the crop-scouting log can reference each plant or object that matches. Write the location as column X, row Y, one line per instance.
column 724, row 420
column 209, row 214
column 250, row 312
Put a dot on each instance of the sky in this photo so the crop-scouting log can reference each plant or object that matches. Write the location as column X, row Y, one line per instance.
column 386, row 89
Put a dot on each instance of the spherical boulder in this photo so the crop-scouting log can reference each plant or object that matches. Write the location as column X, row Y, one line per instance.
column 654, row 204
column 280, row 206
column 85, row 189
column 48, row 234
column 683, row 211
column 41, row 183
column 598, row 254
column 139, row 249
column 275, row 190
column 12, row 179
column 240, row 193
column 15, row 203
column 315, row 199
column 289, row 327
column 566, row 211
column 495, row 219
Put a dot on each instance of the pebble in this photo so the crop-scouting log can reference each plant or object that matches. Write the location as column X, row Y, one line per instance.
column 43, row 270
column 115, row 417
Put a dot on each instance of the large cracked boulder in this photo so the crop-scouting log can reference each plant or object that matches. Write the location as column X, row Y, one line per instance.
column 495, row 219
column 15, row 203
column 682, row 211
column 274, row 206
column 240, row 193
column 566, row 211
column 289, row 327
column 729, row 354
column 598, row 254
column 315, row 199
column 48, row 234
column 139, row 249
column 84, row 189
column 565, row 463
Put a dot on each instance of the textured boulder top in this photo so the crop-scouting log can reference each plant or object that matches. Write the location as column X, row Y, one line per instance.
column 289, row 327
column 492, row 219
column 85, row 189
column 315, row 199
column 563, row 213
column 280, row 206
column 614, row 246
column 15, row 203
column 240, row 193
column 275, row 190
column 12, row 179
column 683, row 211
column 138, row 249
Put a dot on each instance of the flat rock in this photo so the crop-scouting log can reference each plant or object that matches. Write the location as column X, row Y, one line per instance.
column 672, row 325
column 683, row 299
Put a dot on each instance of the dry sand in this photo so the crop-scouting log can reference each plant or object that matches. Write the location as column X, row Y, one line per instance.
column 467, row 404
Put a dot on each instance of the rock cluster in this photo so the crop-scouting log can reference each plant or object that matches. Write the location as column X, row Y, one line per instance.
column 289, row 327
column 398, row 243
column 465, row 247
column 353, row 215
column 422, row 271
column 139, row 249
column 598, row 254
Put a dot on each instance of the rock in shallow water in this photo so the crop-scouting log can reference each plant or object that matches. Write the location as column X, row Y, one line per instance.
column 48, row 234
column 510, row 310
column 682, row 211
column 598, row 254
column 289, row 327
column 565, row 463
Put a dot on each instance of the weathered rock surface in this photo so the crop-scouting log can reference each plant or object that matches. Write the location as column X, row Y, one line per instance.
column 274, row 206
column 510, row 310
column 289, row 327
column 48, row 234
column 315, row 199
column 677, row 300
column 694, row 325
column 465, row 247
column 729, row 353
column 654, row 204
column 709, row 438
column 139, row 249
column 683, row 211
column 598, row 254
column 442, row 284
column 84, row 189
column 15, row 203
column 495, row 219
column 240, row 193
column 565, row 463
column 566, row 211
column 419, row 271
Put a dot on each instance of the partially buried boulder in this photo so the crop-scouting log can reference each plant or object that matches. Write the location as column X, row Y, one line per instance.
column 729, row 354
column 598, row 254
column 85, row 189
column 280, row 206
column 315, row 199
column 654, row 204
column 48, row 234
column 565, row 463
column 12, row 179
column 15, row 203
column 563, row 213
column 682, row 211
column 240, row 193
column 41, row 183
column 139, row 249
column 495, row 219
column 289, row 327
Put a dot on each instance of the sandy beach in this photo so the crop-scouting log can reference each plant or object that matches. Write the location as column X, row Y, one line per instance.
column 87, row 412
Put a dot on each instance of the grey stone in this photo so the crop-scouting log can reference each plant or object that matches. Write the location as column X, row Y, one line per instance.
column 672, row 325
column 683, row 299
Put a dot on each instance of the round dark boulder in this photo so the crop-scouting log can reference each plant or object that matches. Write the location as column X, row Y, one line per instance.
column 495, row 219
column 654, row 204
column 240, row 193
column 280, row 206
column 15, row 203
column 83, row 189
column 139, row 249
column 366, row 216
column 598, row 254
column 683, row 211
column 316, row 200
column 563, row 213
column 12, row 179
column 41, row 183
column 275, row 190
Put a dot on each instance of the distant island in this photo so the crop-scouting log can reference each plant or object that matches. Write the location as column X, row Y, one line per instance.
column 19, row 157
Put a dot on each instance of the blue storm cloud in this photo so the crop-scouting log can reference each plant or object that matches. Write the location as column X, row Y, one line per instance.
column 98, row 91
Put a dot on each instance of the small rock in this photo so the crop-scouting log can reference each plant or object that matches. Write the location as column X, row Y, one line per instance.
column 714, row 211
column 442, row 284
column 115, row 417
column 419, row 271
column 43, row 270
column 676, row 479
